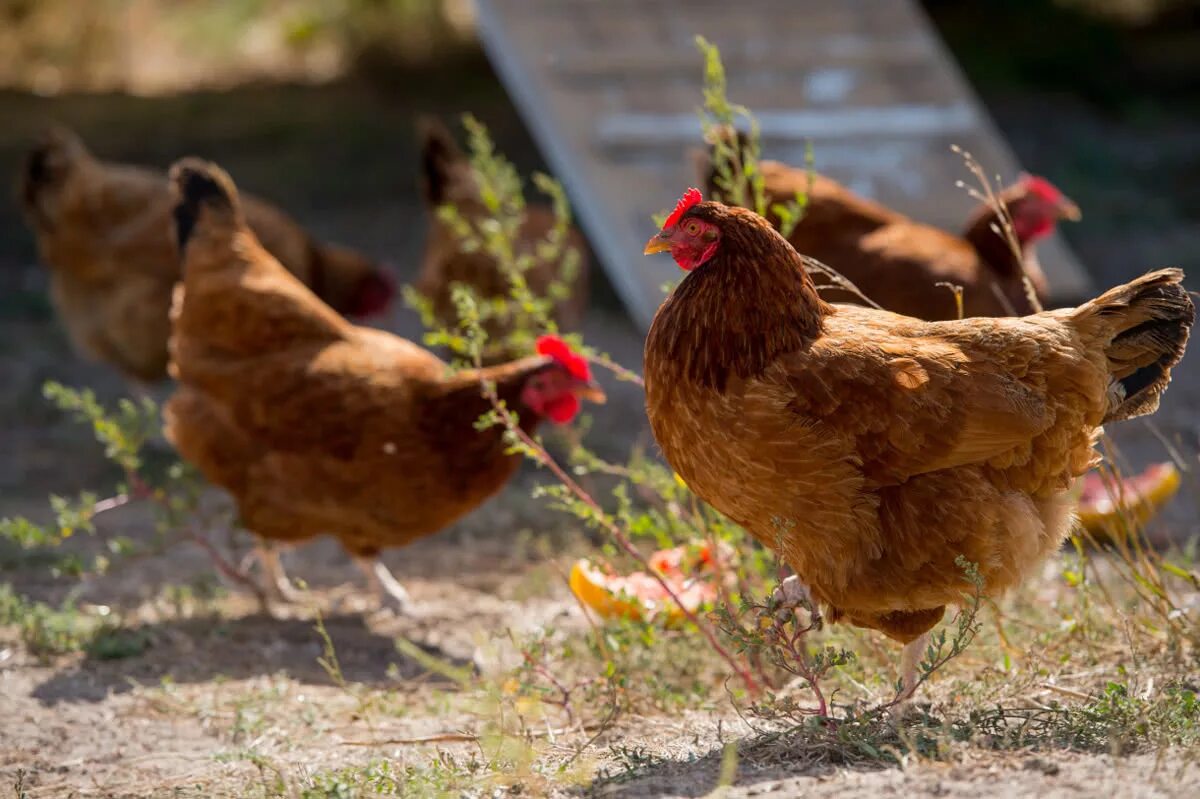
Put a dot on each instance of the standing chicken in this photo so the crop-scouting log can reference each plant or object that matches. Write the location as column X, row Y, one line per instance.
column 317, row 426
column 104, row 232
column 872, row 449
column 447, row 178
column 898, row 262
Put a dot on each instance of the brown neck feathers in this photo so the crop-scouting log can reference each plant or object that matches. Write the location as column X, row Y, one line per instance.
column 733, row 316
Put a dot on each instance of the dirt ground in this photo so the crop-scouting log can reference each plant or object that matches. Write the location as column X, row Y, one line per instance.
column 223, row 696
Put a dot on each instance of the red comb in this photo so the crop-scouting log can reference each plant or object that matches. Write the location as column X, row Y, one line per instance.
column 1042, row 188
column 690, row 197
column 558, row 349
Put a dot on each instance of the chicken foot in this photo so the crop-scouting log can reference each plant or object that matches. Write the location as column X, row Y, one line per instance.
column 791, row 594
column 386, row 589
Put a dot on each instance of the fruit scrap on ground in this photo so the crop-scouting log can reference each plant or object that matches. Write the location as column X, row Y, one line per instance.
column 690, row 570
column 1112, row 505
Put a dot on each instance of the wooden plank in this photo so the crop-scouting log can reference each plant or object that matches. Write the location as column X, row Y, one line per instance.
column 609, row 89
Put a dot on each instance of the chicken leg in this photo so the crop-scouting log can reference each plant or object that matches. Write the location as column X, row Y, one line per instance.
column 384, row 586
column 910, row 661
column 278, row 586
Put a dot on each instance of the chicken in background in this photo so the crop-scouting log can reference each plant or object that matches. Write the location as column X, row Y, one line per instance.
column 104, row 232
column 898, row 262
column 870, row 449
column 317, row 426
column 447, row 178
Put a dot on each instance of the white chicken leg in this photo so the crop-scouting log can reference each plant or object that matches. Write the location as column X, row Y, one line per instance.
column 386, row 589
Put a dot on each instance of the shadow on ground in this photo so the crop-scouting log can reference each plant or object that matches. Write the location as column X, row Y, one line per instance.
column 202, row 649
column 757, row 766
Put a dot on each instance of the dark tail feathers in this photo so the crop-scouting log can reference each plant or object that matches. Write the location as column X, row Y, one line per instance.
column 199, row 184
column 1150, row 319
column 46, row 163
column 439, row 153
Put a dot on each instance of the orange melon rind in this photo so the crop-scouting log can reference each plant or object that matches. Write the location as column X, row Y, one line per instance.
column 639, row 595
column 1132, row 503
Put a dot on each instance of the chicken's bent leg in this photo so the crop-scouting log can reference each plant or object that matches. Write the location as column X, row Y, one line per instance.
column 278, row 586
column 384, row 585
column 791, row 594
column 910, row 660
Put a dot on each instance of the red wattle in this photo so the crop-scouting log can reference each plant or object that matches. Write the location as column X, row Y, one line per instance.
column 562, row 409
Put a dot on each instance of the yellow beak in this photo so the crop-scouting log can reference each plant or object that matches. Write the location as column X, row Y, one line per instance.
column 656, row 244
column 592, row 393
column 1069, row 211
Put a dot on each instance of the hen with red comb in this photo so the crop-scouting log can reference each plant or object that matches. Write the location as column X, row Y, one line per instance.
column 874, row 450
column 317, row 426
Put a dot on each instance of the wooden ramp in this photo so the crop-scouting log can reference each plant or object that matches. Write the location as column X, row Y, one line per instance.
column 610, row 89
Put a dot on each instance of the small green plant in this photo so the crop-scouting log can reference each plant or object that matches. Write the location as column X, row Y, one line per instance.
column 734, row 137
column 174, row 496
column 48, row 631
column 735, row 155
column 123, row 433
column 515, row 318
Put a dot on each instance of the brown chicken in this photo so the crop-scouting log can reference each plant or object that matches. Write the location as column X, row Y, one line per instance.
column 872, row 449
column 447, row 178
column 898, row 262
column 104, row 232
column 318, row 426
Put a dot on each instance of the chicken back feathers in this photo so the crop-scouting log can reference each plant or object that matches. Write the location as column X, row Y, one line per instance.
column 872, row 449
column 104, row 231
column 313, row 424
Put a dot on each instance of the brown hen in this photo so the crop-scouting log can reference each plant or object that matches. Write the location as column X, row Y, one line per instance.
column 872, row 449
column 898, row 262
column 104, row 232
column 318, row 426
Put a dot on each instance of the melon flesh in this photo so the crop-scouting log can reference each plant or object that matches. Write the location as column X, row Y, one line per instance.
column 639, row 595
column 1135, row 498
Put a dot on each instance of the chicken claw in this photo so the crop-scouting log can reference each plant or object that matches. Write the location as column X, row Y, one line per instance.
column 791, row 594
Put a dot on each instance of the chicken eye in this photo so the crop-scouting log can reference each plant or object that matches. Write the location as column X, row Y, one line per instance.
column 692, row 228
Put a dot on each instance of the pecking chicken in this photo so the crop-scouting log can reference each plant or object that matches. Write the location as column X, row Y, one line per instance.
column 315, row 425
column 872, row 449
column 447, row 178
column 898, row 262
column 104, row 232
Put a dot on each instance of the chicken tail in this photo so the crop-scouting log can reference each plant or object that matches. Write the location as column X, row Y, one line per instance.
column 1143, row 328
column 203, row 187
column 439, row 155
column 46, row 167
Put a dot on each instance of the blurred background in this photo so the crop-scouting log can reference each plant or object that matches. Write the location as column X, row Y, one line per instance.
column 312, row 103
